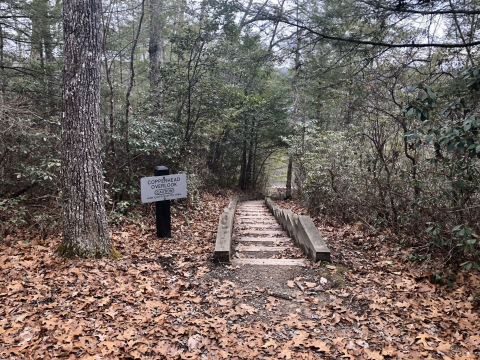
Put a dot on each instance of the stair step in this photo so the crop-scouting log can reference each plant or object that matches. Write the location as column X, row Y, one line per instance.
column 252, row 207
column 260, row 248
column 286, row 262
column 262, row 232
column 262, row 226
column 253, row 222
column 260, row 239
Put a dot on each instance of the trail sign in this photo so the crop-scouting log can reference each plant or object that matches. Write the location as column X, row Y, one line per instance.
column 161, row 188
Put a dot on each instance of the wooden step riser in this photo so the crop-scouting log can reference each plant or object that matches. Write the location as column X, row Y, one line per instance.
column 275, row 262
column 261, row 232
column 260, row 248
column 256, row 226
column 260, row 239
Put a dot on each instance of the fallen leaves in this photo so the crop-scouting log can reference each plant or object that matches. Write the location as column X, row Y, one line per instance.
column 393, row 311
column 163, row 299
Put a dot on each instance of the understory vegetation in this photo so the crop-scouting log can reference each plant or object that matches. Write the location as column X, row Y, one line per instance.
column 375, row 103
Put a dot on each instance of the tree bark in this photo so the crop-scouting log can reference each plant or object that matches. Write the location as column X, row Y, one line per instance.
column 109, row 77
column 288, row 186
column 85, row 228
column 130, row 87
column 156, row 44
column 288, row 193
column 41, row 39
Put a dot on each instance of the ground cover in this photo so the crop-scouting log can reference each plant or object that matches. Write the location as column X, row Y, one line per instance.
column 166, row 299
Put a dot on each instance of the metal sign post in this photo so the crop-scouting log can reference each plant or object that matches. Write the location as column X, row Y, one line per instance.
column 160, row 189
column 162, row 209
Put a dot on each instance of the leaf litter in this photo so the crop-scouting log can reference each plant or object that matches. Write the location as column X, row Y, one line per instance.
column 164, row 298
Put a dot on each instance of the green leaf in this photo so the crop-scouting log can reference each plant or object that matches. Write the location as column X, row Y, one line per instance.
column 431, row 93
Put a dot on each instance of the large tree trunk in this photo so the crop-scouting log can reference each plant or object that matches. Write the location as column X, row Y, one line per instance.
column 85, row 229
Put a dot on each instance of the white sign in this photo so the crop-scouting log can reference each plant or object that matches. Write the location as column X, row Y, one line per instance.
column 161, row 188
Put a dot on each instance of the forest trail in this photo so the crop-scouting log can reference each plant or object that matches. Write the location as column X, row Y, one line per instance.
column 260, row 240
column 166, row 298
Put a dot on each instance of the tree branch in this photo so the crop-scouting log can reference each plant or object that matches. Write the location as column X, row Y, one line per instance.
column 358, row 41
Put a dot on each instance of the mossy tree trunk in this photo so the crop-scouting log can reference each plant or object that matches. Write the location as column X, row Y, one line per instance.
column 85, row 228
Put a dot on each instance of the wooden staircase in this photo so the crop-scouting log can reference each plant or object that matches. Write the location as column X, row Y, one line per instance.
column 258, row 239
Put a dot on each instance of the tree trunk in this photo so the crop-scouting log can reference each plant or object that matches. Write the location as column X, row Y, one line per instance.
column 288, row 193
column 130, row 87
column 248, row 169
column 109, row 77
column 41, row 39
column 36, row 49
column 1, row 49
column 155, row 48
column 288, row 186
column 243, row 166
column 85, row 229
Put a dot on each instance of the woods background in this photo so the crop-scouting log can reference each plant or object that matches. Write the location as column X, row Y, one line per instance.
column 375, row 103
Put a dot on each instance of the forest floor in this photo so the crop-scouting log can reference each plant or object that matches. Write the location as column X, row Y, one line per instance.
column 166, row 299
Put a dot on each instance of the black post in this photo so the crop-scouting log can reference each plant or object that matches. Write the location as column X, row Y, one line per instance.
column 162, row 208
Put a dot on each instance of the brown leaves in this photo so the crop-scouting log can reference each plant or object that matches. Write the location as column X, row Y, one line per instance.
column 400, row 308
column 164, row 299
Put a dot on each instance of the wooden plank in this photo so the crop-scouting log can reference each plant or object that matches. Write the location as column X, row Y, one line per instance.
column 282, row 262
column 260, row 248
column 253, row 221
column 249, row 213
column 252, row 206
column 262, row 232
column 252, row 213
column 252, row 209
column 260, row 239
column 257, row 219
column 258, row 208
column 268, row 217
column 261, row 226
